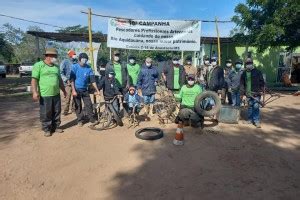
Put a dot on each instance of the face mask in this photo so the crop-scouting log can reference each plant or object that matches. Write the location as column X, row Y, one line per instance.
column 132, row 61
column 189, row 62
column 116, row 58
column 206, row 62
column 74, row 56
column 238, row 66
column 249, row 66
column 175, row 62
column 148, row 64
column 83, row 61
column 214, row 63
column 110, row 75
column 228, row 64
column 191, row 82
column 53, row 60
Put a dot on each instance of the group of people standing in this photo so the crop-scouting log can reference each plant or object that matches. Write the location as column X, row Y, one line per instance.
column 137, row 85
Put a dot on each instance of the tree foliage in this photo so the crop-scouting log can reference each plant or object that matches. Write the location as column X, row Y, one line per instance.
column 22, row 46
column 265, row 23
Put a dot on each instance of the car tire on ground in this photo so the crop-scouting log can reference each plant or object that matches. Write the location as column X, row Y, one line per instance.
column 150, row 133
column 201, row 97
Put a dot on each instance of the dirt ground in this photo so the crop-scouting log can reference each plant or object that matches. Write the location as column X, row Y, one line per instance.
column 234, row 162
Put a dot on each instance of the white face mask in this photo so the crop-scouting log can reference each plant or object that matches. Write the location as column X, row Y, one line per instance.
column 249, row 66
column 116, row 58
column 238, row 66
column 53, row 60
column 148, row 64
column 189, row 62
column 132, row 61
column 74, row 56
column 214, row 63
column 83, row 61
column 206, row 62
column 191, row 82
column 110, row 75
column 175, row 62
column 228, row 64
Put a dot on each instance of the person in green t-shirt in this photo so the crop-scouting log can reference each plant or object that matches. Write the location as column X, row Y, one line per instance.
column 46, row 83
column 120, row 70
column 133, row 70
column 174, row 75
column 188, row 94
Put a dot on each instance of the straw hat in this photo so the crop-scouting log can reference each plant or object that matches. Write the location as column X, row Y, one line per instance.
column 50, row 51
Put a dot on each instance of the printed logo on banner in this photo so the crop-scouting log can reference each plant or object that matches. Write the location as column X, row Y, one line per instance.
column 118, row 22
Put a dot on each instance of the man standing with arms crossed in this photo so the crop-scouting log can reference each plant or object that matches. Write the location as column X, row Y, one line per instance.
column 65, row 71
column 46, row 84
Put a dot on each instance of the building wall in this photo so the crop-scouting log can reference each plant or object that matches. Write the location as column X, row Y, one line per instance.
column 267, row 62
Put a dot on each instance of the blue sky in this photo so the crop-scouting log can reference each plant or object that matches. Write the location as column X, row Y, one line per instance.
column 67, row 12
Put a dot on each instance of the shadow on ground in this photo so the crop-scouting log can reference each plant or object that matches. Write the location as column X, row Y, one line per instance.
column 240, row 162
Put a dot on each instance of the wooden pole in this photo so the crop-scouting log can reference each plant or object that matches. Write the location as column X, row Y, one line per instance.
column 91, row 39
column 219, row 46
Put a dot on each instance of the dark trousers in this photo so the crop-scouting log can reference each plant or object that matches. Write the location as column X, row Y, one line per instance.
column 186, row 114
column 88, row 107
column 50, row 109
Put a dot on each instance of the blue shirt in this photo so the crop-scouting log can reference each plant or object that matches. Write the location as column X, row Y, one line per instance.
column 146, row 80
column 81, row 75
column 65, row 70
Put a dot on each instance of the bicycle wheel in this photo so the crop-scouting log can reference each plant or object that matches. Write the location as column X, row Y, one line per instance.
column 104, row 120
column 115, row 115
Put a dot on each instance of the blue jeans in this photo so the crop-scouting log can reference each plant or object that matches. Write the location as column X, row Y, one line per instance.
column 149, row 99
column 236, row 98
column 253, row 109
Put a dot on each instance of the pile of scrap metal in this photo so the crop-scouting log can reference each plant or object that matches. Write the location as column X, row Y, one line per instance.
column 166, row 105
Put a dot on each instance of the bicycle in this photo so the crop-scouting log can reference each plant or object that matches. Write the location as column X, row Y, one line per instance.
column 132, row 118
column 109, row 117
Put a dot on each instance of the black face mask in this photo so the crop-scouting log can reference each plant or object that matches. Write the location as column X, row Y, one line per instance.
column 74, row 60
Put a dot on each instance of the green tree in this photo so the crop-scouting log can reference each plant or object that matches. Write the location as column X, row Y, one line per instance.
column 264, row 23
column 23, row 45
column 6, row 50
column 74, row 29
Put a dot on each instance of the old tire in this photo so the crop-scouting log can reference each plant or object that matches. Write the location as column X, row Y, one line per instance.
column 150, row 133
column 202, row 111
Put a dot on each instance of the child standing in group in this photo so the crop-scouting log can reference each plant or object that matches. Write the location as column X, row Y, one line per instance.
column 132, row 100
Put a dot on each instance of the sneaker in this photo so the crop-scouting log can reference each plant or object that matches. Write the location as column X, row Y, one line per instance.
column 58, row 130
column 47, row 133
column 257, row 125
column 80, row 124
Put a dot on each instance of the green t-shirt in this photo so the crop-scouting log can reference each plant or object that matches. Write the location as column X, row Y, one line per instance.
column 176, row 78
column 118, row 72
column 48, row 78
column 133, row 72
column 188, row 95
column 248, row 83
